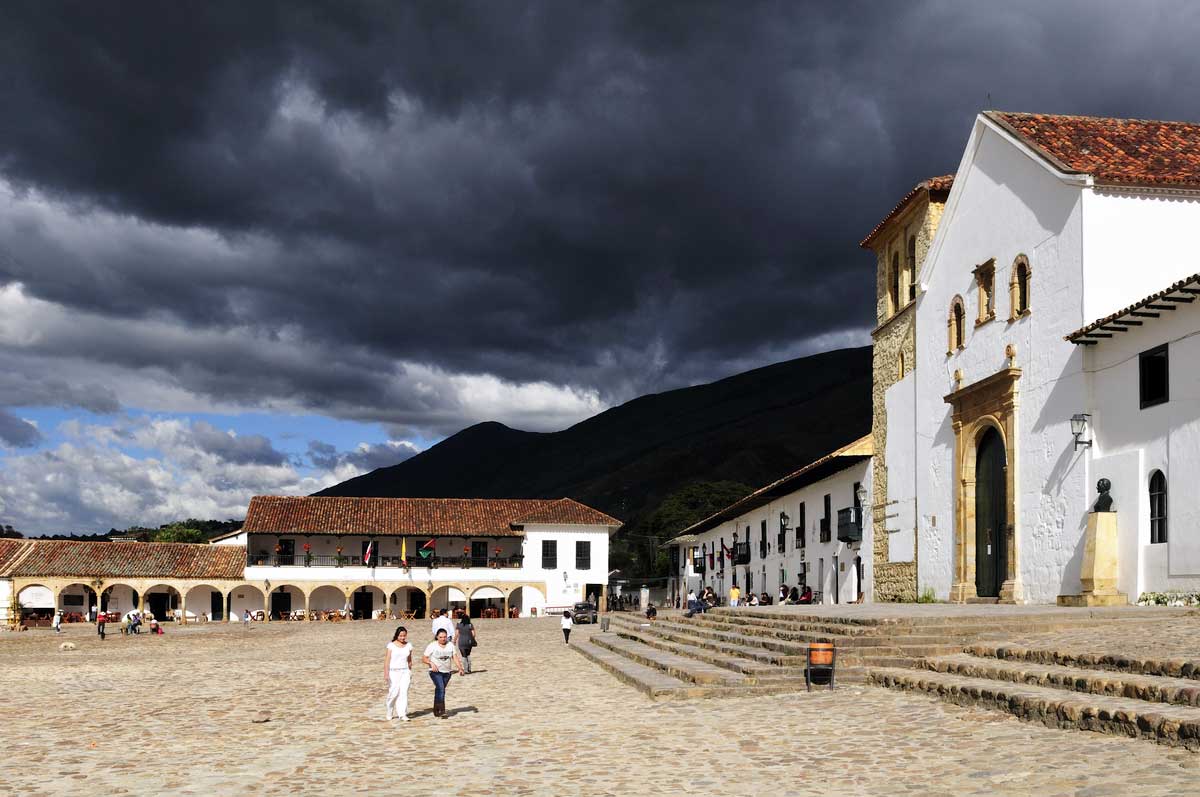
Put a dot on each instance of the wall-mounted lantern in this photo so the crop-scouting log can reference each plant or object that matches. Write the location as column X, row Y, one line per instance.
column 783, row 521
column 1079, row 425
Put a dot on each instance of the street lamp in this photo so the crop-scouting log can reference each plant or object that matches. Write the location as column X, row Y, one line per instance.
column 1079, row 425
column 783, row 521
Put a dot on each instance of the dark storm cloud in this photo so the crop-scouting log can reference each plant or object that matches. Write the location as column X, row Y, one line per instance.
column 611, row 196
column 324, row 456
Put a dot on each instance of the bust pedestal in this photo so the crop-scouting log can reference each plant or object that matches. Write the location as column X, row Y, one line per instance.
column 1098, row 575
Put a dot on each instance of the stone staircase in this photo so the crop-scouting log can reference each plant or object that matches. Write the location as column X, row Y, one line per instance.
column 737, row 652
column 1122, row 695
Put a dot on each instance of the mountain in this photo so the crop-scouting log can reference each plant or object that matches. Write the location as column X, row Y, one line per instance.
column 750, row 428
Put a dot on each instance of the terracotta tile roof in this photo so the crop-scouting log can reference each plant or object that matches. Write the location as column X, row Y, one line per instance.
column 1113, row 151
column 937, row 187
column 10, row 551
column 129, row 560
column 844, row 457
column 1184, row 291
column 447, row 517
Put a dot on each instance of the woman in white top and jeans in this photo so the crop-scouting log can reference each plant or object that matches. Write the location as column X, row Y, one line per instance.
column 441, row 657
column 567, row 625
column 397, row 669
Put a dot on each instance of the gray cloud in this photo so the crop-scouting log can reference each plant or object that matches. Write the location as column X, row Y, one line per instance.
column 17, row 432
column 249, row 449
column 366, row 457
column 351, row 207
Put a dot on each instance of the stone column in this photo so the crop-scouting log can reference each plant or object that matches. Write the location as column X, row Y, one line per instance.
column 305, row 607
column 182, row 607
column 267, row 605
column 142, row 602
column 603, row 598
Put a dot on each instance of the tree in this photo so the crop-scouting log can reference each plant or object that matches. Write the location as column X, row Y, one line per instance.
column 8, row 532
column 178, row 532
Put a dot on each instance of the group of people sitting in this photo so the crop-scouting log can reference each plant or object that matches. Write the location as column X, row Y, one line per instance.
column 795, row 595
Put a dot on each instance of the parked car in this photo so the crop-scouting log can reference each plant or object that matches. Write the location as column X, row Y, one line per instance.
column 584, row 613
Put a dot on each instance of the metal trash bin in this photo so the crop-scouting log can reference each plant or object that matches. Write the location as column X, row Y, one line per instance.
column 604, row 622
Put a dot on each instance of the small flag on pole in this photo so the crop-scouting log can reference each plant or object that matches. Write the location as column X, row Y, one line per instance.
column 367, row 553
column 404, row 552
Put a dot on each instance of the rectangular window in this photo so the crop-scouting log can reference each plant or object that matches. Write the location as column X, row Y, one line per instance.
column 583, row 555
column 985, row 278
column 549, row 554
column 1153, row 376
column 827, row 521
column 801, row 525
column 762, row 542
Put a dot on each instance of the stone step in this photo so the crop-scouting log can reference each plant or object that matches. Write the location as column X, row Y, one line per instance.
column 843, row 640
column 1116, row 662
column 1151, row 688
column 792, row 649
column 678, row 666
column 1056, row 708
column 656, row 684
column 964, row 629
column 754, row 652
column 746, row 666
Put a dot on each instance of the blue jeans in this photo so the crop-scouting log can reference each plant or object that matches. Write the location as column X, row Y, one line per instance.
column 440, row 681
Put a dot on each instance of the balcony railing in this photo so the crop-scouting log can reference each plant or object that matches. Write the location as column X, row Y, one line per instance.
column 850, row 525
column 825, row 531
column 327, row 560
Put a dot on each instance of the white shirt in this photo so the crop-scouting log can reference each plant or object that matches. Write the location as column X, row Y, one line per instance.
column 400, row 654
column 567, row 622
column 442, row 657
column 446, row 623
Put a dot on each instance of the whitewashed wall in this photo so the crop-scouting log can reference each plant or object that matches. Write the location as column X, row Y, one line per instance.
column 1130, row 443
column 1137, row 244
column 899, row 512
column 1004, row 204
column 767, row 572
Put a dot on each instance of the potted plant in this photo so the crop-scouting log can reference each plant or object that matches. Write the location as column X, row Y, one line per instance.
column 307, row 555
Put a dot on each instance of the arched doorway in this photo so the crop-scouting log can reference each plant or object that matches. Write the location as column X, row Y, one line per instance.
column 76, row 602
column 245, row 598
column 36, row 605
column 162, row 600
column 286, row 599
column 326, row 598
column 119, row 598
column 204, row 602
column 991, row 514
column 484, row 599
column 526, row 600
column 447, row 598
column 408, row 599
column 366, row 600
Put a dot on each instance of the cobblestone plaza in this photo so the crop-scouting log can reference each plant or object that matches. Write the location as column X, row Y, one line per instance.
column 181, row 714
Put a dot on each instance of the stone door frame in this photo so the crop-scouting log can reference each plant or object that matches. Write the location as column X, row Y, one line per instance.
column 990, row 403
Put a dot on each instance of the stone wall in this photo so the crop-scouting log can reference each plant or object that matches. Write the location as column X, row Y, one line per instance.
column 895, row 336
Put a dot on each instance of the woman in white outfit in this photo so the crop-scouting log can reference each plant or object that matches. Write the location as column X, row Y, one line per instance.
column 567, row 625
column 397, row 668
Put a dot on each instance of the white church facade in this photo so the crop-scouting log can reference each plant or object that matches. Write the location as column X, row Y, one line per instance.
column 1055, row 345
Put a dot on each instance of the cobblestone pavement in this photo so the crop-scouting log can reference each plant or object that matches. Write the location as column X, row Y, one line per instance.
column 175, row 714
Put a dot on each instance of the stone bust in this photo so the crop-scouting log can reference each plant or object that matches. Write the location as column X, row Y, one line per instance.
column 1104, row 502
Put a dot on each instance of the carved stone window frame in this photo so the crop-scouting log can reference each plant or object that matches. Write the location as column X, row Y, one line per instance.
column 956, row 326
column 985, row 284
column 1017, row 312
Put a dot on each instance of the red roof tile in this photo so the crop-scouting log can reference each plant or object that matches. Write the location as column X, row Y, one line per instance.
column 1113, row 151
column 10, row 550
column 452, row 517
column 53, row 558
column 937, row 187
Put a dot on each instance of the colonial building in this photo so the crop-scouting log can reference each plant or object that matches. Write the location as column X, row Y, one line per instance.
column 900, row 242
column 1056, row 292
column 804, row 529
column 367, row 557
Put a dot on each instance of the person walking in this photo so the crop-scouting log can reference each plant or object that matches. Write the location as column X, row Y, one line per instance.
column 100, row 618
column 441, row 619
column 465, row 641
column 57, row 621
column 567, row 625
column 246, row 618
column 441, row 657
column 734, row 595
column 397, row 670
